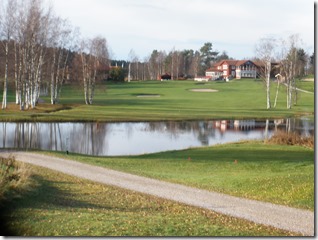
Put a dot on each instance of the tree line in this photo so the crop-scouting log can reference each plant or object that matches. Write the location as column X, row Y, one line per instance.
column 38, row 52
column 180, row 64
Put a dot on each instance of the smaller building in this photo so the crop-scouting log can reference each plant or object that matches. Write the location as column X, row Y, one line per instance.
column 213, row 73
column 165, row 76
column 202, row 79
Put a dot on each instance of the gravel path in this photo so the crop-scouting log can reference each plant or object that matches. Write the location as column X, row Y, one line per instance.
column 282, row 217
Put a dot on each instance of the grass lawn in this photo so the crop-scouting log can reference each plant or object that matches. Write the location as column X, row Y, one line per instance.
column 64, row 205
column 120, row 102
column 61, row 205
column 306, row 85
column 273, row 173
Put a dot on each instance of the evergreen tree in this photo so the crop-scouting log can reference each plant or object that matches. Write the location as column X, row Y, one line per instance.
column 207, row 55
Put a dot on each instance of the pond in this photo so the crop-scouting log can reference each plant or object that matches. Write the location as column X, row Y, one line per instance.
column 115, row 139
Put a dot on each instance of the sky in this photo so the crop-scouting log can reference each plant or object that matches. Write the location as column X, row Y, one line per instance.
column 234, row 26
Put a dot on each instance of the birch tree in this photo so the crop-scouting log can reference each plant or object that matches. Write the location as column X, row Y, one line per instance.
column 289, row 61
column 265, row 52
column 35, row 40
column 39, row 44
column 61, row 45
column 133, row 66
column 195, row 63
column 94, row 54
column 152, row 65
column 7, row 27
column 175, row 58
column 33, row 27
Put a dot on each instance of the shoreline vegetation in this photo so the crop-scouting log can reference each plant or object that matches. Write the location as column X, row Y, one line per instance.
column 14, row 179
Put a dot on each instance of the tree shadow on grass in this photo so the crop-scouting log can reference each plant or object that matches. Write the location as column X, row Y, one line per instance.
column 46, row 196
column 49, row 195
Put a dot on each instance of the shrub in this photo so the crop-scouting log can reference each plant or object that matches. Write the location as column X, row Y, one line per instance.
column 14, row 178
column 285, row 138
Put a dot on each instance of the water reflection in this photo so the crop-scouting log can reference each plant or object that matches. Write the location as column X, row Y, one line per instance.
column 102, row 139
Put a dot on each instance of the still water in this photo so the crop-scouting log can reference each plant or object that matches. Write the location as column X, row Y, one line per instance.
column 114, row 139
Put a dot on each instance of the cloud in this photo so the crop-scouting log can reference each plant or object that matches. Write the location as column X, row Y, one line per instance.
column 144, row 25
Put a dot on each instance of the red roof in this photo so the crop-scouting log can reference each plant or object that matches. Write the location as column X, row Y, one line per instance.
column 242, row 62
column 213, row 69
column 230, row 62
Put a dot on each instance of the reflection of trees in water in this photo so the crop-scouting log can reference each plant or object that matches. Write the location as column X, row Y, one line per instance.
column 129, row 130
column 4, row 134
column 56, row 141
column 88, row 138
column 26, row 136
column 92, row 138
column 37, row 136
column 205, row 131
column 202, row 129
column 300, row 126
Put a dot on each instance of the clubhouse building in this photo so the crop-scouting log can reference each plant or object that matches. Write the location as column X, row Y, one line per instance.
column 233, row 69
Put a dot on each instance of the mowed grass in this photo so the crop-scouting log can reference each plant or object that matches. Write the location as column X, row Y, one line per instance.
column 273, row 173
column 62, row 205
column 120, row 102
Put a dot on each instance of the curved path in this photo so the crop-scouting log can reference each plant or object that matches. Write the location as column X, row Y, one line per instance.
column 278, row 216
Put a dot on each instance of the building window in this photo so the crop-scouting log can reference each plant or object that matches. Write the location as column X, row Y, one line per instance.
column 224, row 67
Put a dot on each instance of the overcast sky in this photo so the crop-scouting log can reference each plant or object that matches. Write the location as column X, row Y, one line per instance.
column 233, row 26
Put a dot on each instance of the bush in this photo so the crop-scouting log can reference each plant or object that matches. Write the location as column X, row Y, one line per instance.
column 116, row 74
column 14, row 178
column 284, row 138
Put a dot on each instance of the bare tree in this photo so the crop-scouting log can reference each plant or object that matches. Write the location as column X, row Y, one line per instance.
column 289, row 60
column 175, row 63
column 61, row 44
column 265, row 52
column 196, row 63
column 94, row 55
column 7, row 26
column 133, row 66
column 31, row 39
column 155, row 64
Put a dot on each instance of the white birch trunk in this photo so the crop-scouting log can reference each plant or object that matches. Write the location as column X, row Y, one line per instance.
column 268, row 71
column 53, row 78
column 5, row 85
column 16, row 75
column 277, row 91
column 129, row 72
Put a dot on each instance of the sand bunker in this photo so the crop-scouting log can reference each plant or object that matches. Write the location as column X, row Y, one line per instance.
column 204, row 90
column 309, row 80
column 148, row 96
